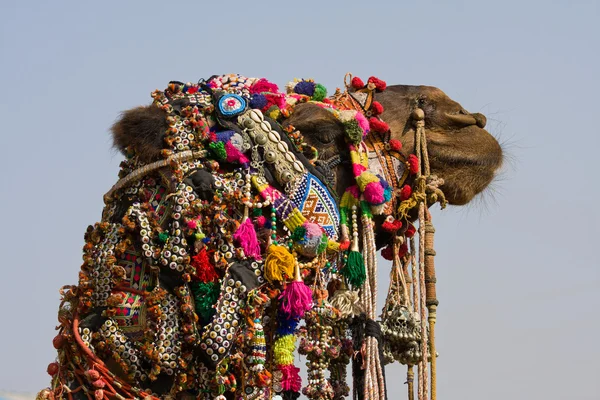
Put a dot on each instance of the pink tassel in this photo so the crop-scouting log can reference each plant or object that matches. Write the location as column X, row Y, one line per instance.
column 296, row 298
column 246, row 237
column 291, row 379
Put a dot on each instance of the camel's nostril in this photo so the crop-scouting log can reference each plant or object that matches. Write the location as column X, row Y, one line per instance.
column 481, row 119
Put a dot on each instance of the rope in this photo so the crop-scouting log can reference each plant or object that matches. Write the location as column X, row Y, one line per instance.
column 146, row 169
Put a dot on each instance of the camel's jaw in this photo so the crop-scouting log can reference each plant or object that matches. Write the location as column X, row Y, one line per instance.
column 467, row 160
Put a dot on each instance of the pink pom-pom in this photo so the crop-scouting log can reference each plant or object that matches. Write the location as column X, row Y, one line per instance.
column 296, row 299
column 246, row 237
column 363, row 123
column 261, row 221
column 312, row 229
column 192, row 224
column 374, row 193
column 357, row 83
column 263, row 85
column 358, row 169
column 291, row 377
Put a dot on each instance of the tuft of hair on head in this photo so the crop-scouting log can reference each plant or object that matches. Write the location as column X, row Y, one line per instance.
column 141, row 131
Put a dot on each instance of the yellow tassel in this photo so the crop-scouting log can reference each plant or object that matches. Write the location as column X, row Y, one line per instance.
column 284, row 349
column 279, row 262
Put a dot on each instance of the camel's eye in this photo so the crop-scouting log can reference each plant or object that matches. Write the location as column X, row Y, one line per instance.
column 422, row 101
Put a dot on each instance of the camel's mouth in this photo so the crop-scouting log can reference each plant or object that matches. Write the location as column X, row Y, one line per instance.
column 467, row 161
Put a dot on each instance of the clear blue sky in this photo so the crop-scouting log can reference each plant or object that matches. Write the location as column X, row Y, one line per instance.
column 518, row 275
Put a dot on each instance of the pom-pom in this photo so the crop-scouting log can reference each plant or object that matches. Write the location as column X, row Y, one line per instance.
column 378, row 125
column 258, row 101
column 354, row 132
column 279, row 262
column 395, row 144
column 403, row 250
column 296, row 299
column 308, row 239
column 205, row 271
column 363, row 123
column 357, row 83
column 218, row 149
column 378, row 83
column 306, row 88
column 344, row 245
column 354, row 271
column 320, row 92
column 387, row 253
column 374, row 193
column 413, row 164
column 391, row 225
column 52, row 369
column 260, row 221
column 283, row 350
column 205, row 296
column 286, row 326
column 246, row 237
column 262, row 86
column 376, row 108
column 405, row 192
column 410, row 231
column 290, row 379
column 163, row 237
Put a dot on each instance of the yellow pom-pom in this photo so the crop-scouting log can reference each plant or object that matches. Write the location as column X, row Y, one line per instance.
column 364, row 179
column 284, row 350
column 279, row 262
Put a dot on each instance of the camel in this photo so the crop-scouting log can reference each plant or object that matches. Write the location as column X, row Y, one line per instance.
column 188, row 290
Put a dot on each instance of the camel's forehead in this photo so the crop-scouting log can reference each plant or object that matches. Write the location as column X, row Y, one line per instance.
column 419, row 90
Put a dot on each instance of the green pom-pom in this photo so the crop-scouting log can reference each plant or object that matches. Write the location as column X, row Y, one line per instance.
column 218, row 149
column 163, row 237
column 206, row 295
column 354, row 271
column 353, row 131
column 256, row 212
column 320, row 92
column 299, row 233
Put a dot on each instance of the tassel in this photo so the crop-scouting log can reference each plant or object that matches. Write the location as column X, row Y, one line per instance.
column 354, row 271
column 205, row 271
column 246, row 237
column 291, row 378
column 279, row 262
column 296, row 299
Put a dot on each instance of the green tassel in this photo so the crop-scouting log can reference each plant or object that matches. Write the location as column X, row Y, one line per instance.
column 206, row 295
column 323, row 244
column 354, row 271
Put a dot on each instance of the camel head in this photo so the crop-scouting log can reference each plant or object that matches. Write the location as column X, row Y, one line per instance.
column 461, row 151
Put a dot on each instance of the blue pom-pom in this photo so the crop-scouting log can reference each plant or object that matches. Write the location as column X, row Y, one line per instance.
column 225, row 136
column 258, row 101
column 286, row 326
column 206, row 240
column 305, row 87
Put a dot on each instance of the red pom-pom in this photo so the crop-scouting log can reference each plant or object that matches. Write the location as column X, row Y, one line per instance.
column 395, row 144
column 58, row 341
column 52, row 369
column 403, row 250
column 378, row 125
column 357, row 83
column 376, row 108
column 388, row 253
column 344, row 245
column 391, row 225
column 379, row 84
column 410, row 231
column 205, row 271
column 405, row 192
column 413, row 164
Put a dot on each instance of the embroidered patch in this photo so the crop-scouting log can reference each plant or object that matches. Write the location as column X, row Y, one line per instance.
column 317, row 205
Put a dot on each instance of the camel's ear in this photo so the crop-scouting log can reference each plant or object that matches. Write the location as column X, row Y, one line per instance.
column 142, row 131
